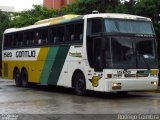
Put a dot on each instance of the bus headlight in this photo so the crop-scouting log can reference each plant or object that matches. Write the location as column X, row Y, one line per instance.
column 116, row 86
column 154, row 83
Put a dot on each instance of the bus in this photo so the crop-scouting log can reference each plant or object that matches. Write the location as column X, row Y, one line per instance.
column 105, row 52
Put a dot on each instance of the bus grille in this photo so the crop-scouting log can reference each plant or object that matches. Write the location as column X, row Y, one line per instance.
column 5, row 69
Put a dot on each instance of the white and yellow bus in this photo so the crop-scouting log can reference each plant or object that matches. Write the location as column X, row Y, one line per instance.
column 100, row 52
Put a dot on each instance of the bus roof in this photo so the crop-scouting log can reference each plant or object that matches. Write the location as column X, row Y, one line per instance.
column 72, row 17
column 118, row 16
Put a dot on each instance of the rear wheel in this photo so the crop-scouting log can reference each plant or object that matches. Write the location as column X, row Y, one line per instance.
column 80, row 84
column 24, row 78
column 17, row 78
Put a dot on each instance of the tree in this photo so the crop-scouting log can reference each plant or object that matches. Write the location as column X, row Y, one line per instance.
column 29, row 17
column 151, row 9
column 4, row 21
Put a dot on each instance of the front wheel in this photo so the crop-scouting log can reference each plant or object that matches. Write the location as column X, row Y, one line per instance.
column 80, row 84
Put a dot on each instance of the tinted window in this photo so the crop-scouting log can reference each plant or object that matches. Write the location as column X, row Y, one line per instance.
column 40, row 37
column 70, row 32
column 128, row 26
column 53, row 40
column 20, row 39
column 94, row 26
column 59, row 34
column 79, row 32
column 74, row 32
column 6, row 41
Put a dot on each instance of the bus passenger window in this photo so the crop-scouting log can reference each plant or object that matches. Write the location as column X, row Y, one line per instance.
column 30, row 38
column 53, row 36
column 20, row 39
column 12, row 40
column 36, row 38
column 59, row 34
column 79, row 32
column 70, row 32
column 15, row 40
column 25, row 39
column 7, row 39
column 44, row 37
column 49, row 36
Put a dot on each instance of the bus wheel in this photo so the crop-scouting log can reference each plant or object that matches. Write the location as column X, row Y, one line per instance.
column 24, row 78
column 17, row 78
column 80, row 84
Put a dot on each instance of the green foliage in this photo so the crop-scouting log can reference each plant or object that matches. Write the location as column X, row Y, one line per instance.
column 4, row 21
column 151, row 9
column 146, row 8
column 29, row 17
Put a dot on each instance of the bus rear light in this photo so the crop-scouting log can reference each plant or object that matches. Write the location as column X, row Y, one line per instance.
column 116, row 86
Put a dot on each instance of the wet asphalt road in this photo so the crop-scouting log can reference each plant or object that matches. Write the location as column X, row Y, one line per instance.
column 59, row 100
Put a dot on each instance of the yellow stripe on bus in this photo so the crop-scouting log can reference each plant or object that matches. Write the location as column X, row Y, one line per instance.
column 34, row 68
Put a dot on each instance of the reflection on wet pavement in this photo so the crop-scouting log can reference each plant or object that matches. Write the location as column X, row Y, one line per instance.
column 59, row 100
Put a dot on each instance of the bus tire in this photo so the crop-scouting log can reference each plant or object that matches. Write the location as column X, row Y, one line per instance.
column 24, row 78
column 17, row 79
column 80, row 84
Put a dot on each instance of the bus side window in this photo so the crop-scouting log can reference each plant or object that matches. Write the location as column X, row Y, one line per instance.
column 49, row 36
column 70, row 32
column 12, row 40
column 36, row 38
column 43, row 36
column 30, row 38
column 20, row 39
column 15, row 40
column 60, row 34
column 79, row 32
column 25, row 39
column 6, row 41
column 53, row 37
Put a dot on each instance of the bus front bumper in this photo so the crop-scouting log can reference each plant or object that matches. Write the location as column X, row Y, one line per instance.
column 114, row 85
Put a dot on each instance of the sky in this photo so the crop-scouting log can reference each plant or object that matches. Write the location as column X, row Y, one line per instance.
column 20, row 5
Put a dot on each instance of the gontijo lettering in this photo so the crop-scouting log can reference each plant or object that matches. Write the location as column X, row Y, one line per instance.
column 25, row 53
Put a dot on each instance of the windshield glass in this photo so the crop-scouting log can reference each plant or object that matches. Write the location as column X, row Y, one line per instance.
column 133, row 52
column 122, row 50
column 128, row 26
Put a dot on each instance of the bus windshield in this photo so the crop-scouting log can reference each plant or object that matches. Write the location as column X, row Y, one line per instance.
column 132, row 52
column 128, row 26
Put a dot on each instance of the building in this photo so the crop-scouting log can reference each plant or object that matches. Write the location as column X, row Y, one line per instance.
column 56, row 4
column 7, row 8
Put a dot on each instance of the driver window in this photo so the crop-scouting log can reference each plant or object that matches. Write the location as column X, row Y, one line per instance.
column 94, row 26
